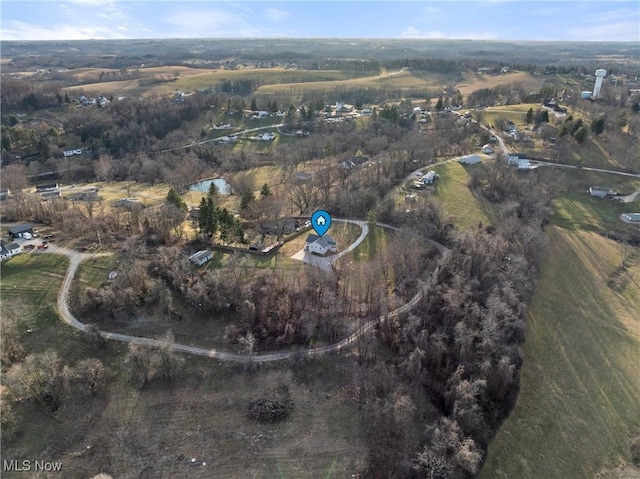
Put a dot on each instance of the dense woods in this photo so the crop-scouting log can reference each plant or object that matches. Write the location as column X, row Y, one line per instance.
column 453, row 377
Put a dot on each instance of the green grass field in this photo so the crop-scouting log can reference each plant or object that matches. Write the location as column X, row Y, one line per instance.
column 32, row 281
column 574, row 208
column 581, row 376
column 29, row 289
column 94, row 273
column 458, row 200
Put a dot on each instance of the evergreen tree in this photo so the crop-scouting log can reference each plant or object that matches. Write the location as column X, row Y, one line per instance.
column 246, row 199
column 213, row 191
column 529, row 117
column 440, row 104
column 597, row 125
column 174, row 198
column 254, row 105
column 239, row 232
column 581, row 134
column 265, row 191
column 545, row 116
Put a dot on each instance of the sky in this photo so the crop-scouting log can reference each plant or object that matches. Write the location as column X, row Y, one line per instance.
column 558, row 20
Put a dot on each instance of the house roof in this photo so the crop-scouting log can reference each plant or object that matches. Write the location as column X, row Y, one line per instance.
column 324, row 241
column 5, row 248
column 312, row 238
column 20, row 229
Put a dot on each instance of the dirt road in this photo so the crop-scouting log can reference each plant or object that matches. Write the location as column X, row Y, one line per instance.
column 76, row 258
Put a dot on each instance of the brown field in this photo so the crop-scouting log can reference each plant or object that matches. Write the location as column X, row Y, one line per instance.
column 403, row 80
column 473, row 81
column 190, row 79
column 88, row 72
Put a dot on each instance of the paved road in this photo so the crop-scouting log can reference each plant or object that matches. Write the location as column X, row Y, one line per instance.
column 76, row 258
column 585, row 168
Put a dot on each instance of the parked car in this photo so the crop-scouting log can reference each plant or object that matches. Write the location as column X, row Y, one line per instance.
column 43, row 246
column 29, row 246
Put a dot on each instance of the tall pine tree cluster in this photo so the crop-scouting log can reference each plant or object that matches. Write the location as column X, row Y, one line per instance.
column 213, row 219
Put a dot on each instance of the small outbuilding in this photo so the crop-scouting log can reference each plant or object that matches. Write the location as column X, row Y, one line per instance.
column 600, row 192
column 19, row 231
column 201, row 257
column 470, row 160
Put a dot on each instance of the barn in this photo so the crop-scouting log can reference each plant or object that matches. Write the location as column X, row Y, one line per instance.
column 19, row 231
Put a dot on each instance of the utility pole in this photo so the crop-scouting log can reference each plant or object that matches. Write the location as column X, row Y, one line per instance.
column 99, row 241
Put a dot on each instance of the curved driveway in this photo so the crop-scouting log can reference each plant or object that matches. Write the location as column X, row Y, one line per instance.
column 75, row 258
column 326, row 263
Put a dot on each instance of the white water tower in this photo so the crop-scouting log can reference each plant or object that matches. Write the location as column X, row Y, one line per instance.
column 600, row 74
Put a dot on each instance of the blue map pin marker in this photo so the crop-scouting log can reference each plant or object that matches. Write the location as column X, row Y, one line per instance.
column 320, row 221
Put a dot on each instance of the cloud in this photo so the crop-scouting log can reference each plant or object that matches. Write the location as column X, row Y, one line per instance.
column 621, row 24
column 91, row 3
column 16, row 30
column 623, row 31
column 276, row 15
column 413, row 32
column 216, row 23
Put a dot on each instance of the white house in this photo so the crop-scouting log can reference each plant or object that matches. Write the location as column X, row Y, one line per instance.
column 9, row 250
column 267, row 136
column 320, row 244
column 487, row 150
column 201, row 257
column 524, row 165
column 513, row 158
column 429, row 178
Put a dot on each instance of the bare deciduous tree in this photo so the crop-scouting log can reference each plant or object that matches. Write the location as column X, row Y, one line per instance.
column 169, row 363
column 139, row 360
column 432, row 465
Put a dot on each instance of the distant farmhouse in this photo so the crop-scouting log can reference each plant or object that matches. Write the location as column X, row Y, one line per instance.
column 201, row 257
column 513, row 158
column 47, row 188
column 129, row 203
column 600, row 192
column 353, row 162
column 21, row 231
column 469, row 160
column 303, row 177
column 320, row 244
column 51, row 190
column 68, row 153
column 487, row 150
column 343, row 108
column 427, row 179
